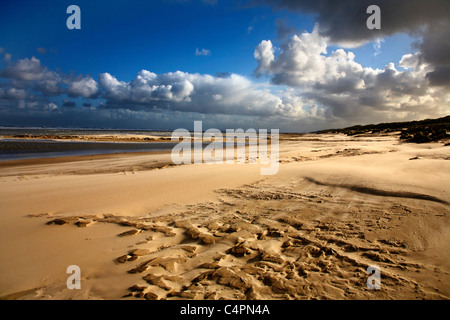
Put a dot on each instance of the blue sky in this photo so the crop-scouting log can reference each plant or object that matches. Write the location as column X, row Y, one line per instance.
column 162, row 36
column 122, row 38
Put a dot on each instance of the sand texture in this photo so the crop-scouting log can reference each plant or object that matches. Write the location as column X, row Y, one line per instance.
column 140, row 227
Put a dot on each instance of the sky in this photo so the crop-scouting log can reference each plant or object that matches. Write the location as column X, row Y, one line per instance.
column 292, row 65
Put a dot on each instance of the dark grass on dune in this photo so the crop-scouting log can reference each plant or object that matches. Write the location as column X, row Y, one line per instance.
column 423, row 131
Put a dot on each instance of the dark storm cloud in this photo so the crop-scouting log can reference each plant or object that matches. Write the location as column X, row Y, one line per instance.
column 435, row 49
column 283, row 29
column 30, row 74
column 223, row 74
column 69, row 104
column 346, row 20
column 440, row 76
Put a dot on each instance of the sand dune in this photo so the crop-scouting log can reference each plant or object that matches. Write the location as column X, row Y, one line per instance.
column 142, row 229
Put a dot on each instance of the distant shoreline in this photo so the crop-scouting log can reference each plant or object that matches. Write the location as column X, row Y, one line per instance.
column 39, row 160
column 18, row 149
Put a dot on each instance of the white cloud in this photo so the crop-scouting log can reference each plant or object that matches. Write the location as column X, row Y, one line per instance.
column 345, row 25
column 377, row 46
column 85, row 87
column 147, row 88
column 50, row 106
column 27, row 69
column 31, row 75
column 15, row 94
column 187, row 92
column 410, row 61
column 7, row 57
column 203, row 52
column 264, row 53
column 299, row 62
column 342, row 85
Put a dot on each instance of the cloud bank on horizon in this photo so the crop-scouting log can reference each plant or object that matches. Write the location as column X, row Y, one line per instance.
column 307, row 86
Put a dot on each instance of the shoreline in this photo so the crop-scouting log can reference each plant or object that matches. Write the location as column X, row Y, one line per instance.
column 76, row 158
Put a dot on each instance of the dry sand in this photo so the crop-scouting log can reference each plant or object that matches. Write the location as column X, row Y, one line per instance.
column 140, row 228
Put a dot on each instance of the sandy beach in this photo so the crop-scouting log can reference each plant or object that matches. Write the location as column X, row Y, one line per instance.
column 140, row 227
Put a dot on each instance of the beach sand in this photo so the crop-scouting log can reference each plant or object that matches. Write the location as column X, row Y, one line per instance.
column 140, row 227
